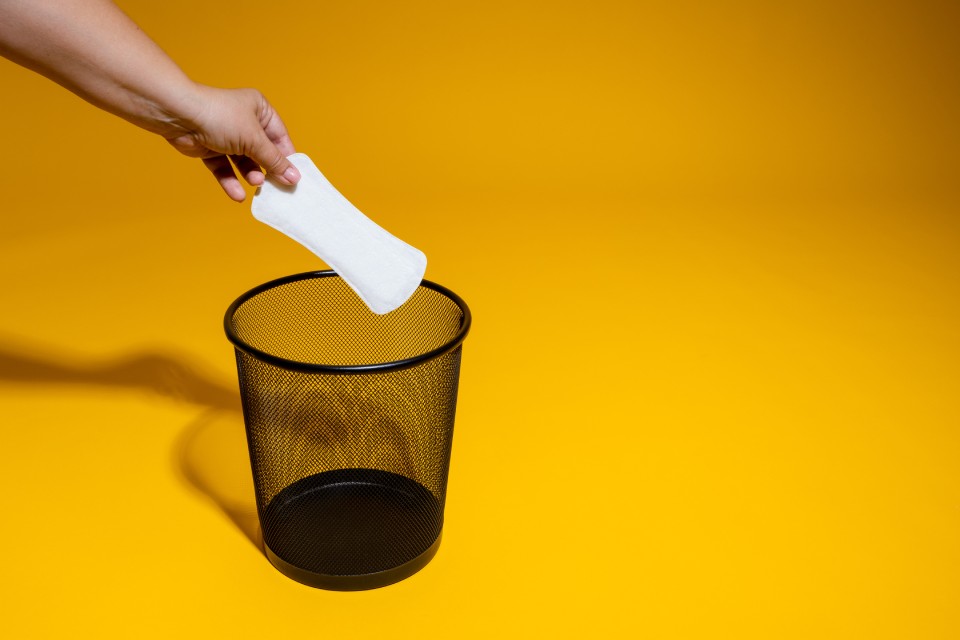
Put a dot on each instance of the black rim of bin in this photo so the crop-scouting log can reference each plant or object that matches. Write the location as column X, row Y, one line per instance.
column 380, row 367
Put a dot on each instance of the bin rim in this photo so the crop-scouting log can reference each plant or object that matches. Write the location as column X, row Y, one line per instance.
column 311, row 367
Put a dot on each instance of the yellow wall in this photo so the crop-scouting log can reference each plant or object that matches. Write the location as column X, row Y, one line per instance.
column 712, row 254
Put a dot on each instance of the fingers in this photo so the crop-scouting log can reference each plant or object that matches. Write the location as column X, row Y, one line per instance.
column 265, row 153
column 276, row 131
column 249, row 169
column 275, row 143
column 222, row 170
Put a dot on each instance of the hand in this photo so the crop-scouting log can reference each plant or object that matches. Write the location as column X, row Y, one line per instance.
column 236, row 125
column 93, row 49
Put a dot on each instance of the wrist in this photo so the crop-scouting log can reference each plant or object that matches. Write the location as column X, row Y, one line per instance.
column 174, row 112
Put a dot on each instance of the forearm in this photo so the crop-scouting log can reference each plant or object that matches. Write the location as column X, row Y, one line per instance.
column 93, row 49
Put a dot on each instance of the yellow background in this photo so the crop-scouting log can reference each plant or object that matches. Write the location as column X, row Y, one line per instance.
column 712, row 386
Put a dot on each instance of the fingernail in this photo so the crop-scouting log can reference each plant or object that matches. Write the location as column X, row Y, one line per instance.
column 291, row 175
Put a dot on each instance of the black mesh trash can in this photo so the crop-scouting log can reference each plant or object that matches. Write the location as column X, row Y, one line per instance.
column 349, row 418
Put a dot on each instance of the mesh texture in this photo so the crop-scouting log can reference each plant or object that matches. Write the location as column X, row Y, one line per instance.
column 350, row 470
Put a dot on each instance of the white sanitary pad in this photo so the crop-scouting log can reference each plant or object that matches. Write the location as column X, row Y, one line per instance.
column 382, row 269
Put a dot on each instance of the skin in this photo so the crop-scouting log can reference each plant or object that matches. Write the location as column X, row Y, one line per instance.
column 93, row 49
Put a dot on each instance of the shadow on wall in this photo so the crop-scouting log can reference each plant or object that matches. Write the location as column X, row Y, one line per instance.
column 210, row 455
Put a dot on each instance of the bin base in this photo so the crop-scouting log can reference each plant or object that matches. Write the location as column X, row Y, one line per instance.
column 352, row 529
column 353, row 583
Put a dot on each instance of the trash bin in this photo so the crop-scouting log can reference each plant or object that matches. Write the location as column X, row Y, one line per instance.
column 349, row 419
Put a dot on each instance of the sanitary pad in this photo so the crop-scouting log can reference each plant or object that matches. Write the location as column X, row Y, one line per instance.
column 382, row 269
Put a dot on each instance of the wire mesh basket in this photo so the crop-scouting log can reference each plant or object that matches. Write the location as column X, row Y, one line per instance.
column 349, row 418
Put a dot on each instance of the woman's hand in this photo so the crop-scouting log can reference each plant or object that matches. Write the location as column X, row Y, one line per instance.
column 237, row 125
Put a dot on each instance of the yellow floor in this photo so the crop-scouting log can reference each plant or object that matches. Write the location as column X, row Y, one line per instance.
column 713, row 257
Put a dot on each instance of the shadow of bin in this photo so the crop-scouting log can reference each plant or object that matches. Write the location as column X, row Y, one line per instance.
column 349, row 419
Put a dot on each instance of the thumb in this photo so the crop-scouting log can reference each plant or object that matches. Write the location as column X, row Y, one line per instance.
column 268, row 156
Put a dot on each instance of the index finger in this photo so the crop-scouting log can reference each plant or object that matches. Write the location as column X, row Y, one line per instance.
column 277, row 133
